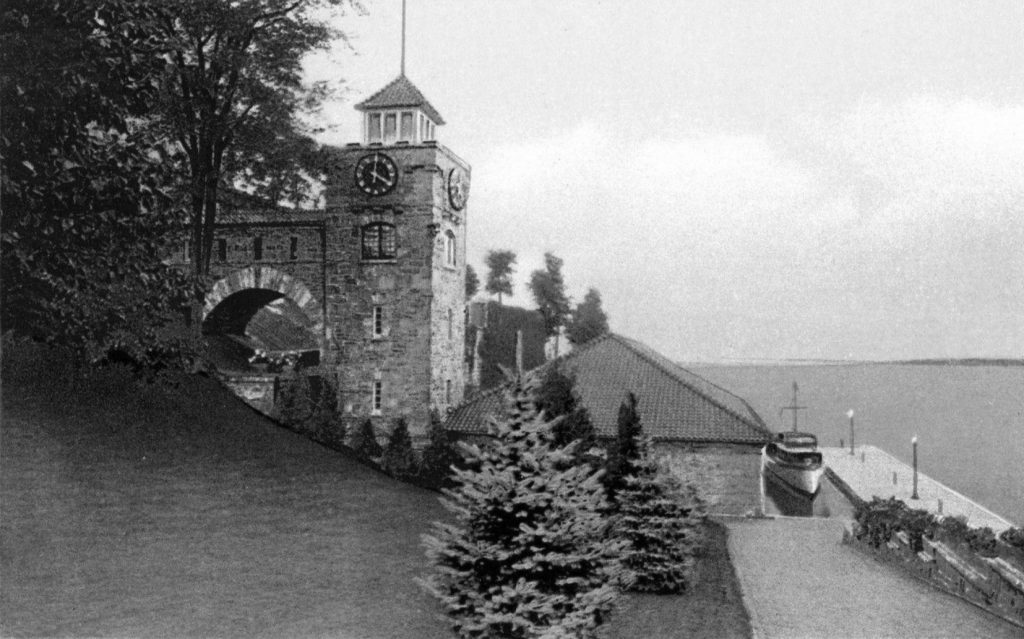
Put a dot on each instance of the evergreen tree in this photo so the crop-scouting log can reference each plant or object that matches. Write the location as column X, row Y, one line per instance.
column 364, row 441
column 439, row 454
column 588, row 319
column 399, row 458
column 557, row 397
column 660, row 520
column 472, row 282
column 626, row 448
column 548, row 288
column 501, row 267
column 528, row 554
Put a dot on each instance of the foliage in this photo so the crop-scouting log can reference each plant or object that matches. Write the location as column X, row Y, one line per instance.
column 472, row 282
column 557, row 397
column 87, row 211
column 364, row 441
column 232, row 98
column 528, row 554
column 438, row 456
column 399, row 458
column 306, row 403
column 625, row 451
column 1013, row 537
column 879, row 519
column 498, row 346
column 588, row 319
column 548, row 288
column 660, row 520
column 501, row 267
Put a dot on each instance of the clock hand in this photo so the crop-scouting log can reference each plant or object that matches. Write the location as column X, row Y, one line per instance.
column 380, row 178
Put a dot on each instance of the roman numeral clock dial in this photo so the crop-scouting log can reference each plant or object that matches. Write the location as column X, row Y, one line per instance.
column 376, row 174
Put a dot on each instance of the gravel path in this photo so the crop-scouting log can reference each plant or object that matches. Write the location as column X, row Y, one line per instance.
column 799, row 581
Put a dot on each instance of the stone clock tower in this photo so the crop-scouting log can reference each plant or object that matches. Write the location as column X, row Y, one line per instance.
column 396, row 211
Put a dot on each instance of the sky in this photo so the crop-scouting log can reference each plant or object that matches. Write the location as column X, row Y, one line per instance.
column 740, row 180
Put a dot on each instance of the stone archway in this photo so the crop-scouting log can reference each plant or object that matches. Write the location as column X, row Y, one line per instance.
column 256, row 278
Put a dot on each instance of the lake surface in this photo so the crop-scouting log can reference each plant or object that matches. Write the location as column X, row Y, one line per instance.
column 969, row 420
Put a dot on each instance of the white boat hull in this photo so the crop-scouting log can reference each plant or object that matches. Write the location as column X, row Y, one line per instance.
column 805, row 480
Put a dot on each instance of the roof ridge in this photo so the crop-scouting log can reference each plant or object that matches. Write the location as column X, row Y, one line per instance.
column 632, row 346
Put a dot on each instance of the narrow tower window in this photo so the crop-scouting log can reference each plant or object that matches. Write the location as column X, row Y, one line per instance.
column 378, row 321
column 257, row 248
column 378, row 396
column 448, row 391
column 449, row 248
column 293, row 248
column 406, row 131
column 222, row 250
column 450, row 323
column 390, row 127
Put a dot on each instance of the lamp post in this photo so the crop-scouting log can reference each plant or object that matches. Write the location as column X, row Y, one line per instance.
column 914, row 442
column 849, row 414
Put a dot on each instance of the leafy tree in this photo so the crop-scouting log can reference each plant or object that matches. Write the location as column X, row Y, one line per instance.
column 501, row 267
column 626, row 448
column 399, row 457
column 87, row 213
column 439, row 454
column 548, row 287
column 233, row 94
column 364, row 441
column 557, row 397
column 528, row 554
column 661, row 522
column 588, row 319
column 472, row 282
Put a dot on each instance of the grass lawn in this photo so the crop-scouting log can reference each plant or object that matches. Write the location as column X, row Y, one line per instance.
column 146, row 512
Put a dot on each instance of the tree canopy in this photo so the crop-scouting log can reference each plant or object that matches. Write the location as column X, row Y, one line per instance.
column 588, row 319
column 548, row 288
column 232, row 98
column 88, row 209
column 501, row 267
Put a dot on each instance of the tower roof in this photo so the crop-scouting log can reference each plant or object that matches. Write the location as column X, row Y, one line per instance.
column 400, row 92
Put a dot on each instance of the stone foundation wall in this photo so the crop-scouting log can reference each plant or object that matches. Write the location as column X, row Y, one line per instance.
column 727, row 476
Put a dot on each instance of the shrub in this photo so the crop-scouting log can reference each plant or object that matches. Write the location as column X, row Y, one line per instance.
column 438, row 456
column 1013, row 537
column 659, row 520
column 879, row 519
column 528, row 554
column 625, row 449
column 399, row 458
column 364, row 441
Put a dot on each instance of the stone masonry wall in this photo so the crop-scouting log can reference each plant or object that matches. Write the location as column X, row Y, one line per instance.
column 729, row 477
column 414, row 289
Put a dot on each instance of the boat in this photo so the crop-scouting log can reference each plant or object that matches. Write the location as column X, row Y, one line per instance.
column 793, row 456
column 794, row 459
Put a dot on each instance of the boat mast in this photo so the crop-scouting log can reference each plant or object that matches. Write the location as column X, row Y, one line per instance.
column 794, row 407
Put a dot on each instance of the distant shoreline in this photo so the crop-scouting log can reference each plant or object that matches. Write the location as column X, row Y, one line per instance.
column 966, row 361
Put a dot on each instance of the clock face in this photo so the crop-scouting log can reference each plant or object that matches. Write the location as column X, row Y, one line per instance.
column 376, row 174
column 458, row 189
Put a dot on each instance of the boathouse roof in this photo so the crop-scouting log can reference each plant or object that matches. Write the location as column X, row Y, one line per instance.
column 674, row 404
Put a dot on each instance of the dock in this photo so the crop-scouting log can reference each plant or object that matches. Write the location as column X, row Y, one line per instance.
column 870, row 470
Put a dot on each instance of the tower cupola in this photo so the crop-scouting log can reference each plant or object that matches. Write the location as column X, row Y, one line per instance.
column 398, row 113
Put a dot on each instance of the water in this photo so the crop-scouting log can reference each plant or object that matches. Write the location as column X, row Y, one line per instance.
column 969, row 420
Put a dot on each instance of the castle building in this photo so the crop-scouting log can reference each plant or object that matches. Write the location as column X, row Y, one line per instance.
column 370, row 290
column 397, row 206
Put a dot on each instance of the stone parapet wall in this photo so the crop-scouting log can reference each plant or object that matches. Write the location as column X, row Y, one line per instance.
column 988, row 583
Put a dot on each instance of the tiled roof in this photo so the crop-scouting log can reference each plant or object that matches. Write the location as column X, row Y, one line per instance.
column 400, row 92
column 674, row 404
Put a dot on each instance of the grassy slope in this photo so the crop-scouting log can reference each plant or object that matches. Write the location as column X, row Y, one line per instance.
column 129, row 512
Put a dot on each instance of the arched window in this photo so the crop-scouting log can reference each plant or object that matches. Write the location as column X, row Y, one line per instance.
column 449, row 248
column 379, row 241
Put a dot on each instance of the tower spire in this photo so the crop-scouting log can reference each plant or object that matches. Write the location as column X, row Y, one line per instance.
column 403, row 38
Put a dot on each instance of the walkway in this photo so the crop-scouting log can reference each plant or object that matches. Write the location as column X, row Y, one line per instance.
column 869, row 472
column 799, row 581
